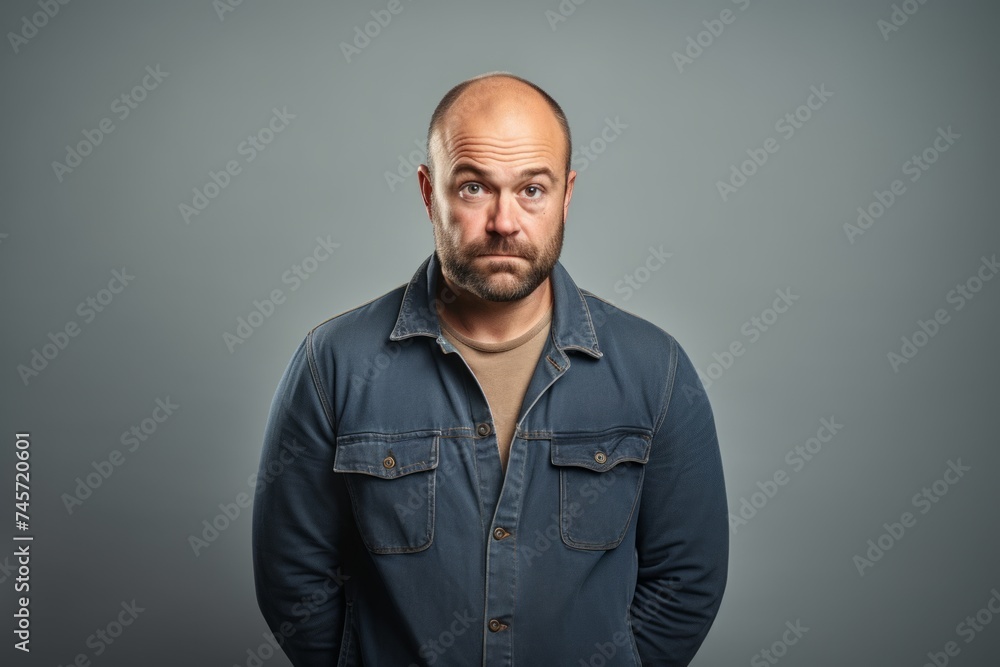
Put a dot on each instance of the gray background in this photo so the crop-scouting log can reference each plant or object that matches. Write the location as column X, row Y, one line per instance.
column 325, row 174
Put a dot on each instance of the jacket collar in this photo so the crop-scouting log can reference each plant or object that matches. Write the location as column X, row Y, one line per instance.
column 572, row 326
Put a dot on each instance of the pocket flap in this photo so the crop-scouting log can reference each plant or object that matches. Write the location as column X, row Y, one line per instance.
column 600, row 452
column 386, row 456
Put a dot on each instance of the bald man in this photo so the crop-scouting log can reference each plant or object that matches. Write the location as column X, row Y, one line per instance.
column 489, row 465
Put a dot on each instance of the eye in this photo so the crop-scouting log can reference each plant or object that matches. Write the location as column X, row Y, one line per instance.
column 471, row 191
column 533, row 192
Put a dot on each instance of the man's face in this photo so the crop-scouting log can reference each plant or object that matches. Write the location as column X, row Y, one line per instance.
column 499, row 195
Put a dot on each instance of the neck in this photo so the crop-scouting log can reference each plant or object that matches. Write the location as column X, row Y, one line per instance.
column 490, row 321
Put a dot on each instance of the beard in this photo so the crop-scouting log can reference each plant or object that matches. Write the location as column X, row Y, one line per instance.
column 496, row 279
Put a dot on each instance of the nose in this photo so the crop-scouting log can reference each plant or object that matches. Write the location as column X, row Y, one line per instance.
column 503, row 218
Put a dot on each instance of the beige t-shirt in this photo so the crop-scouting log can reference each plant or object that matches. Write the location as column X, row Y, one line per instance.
column 504, row 370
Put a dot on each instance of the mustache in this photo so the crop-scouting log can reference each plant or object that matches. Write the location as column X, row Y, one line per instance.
column 501, row 248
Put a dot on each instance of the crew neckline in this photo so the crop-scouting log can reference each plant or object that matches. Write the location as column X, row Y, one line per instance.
column 504, row 345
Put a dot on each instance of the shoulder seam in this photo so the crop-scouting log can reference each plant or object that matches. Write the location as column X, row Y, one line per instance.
column 668, row 390
column 671, row 363
column 623, row 310
column 317, row 385
column 361, row 305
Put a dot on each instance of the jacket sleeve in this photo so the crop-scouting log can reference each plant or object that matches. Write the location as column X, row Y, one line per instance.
column 683, row 525
column 299, row 507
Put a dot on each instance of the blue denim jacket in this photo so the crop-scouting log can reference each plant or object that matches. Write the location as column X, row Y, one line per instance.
column 385, row 533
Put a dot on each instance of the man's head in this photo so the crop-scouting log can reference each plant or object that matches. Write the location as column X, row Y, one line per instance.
column 497, row 182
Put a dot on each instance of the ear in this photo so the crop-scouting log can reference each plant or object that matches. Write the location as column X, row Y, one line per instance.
column 424, row 182
column 570, row 180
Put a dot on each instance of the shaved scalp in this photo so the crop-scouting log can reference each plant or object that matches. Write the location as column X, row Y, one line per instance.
column 452, row 96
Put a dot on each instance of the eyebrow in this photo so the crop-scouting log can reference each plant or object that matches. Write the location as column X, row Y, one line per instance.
column 523, row 175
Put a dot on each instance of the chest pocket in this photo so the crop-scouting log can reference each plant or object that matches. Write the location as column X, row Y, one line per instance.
column 390, row 479
column 600, row 477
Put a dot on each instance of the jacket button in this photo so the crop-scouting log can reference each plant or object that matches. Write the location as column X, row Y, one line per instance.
column 483, row 429
column 496, row 626
column 389, row 462
column 499, row 533
column 600, row 457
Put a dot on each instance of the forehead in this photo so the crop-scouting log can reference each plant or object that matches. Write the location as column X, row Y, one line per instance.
column 501, row 127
